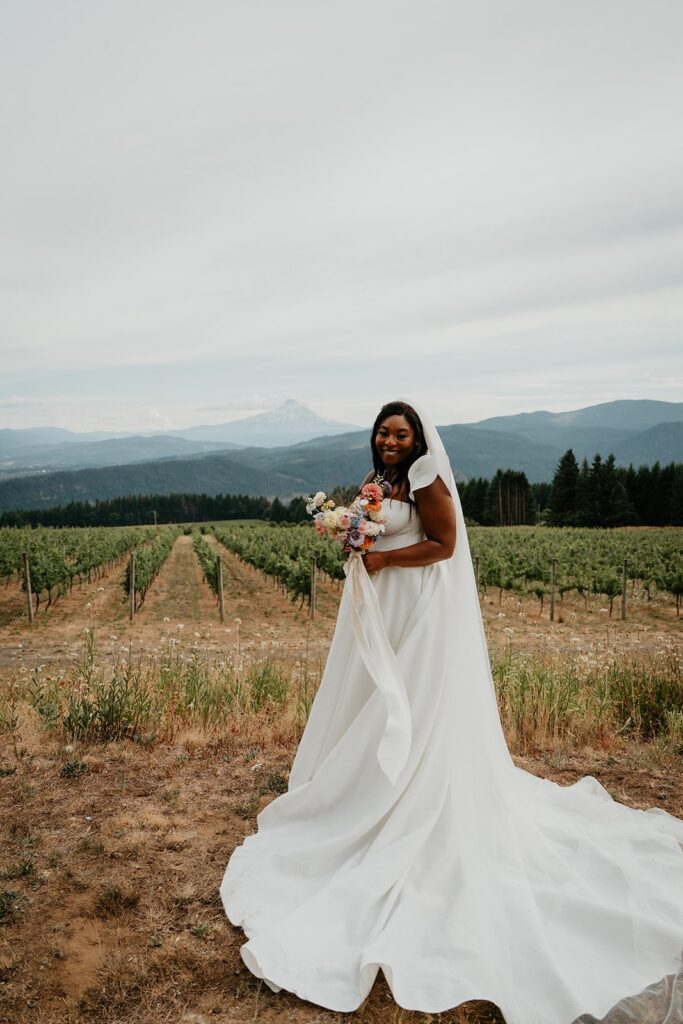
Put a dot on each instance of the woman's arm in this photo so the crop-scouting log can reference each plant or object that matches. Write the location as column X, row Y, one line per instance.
column 435, row 505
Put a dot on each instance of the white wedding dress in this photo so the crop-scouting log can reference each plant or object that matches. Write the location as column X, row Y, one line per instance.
column 409, row 840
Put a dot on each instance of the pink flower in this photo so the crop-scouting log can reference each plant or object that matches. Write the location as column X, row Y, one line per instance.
column 372, row 491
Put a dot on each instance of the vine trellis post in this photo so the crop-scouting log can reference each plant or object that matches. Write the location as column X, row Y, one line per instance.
column 219, row 585
column 553, row 582
column 311, row 603
column 131, row 587
column 27, row 581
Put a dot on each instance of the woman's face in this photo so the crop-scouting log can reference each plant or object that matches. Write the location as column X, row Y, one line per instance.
column 394, row 440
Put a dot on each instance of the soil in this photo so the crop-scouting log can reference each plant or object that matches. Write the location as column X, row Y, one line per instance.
column 114, row 853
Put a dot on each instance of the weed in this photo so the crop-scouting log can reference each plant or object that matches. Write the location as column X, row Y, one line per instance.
column 11, row 904
column 24, row 867
column 112, row 899
column 275, row 783
column 94, row 846
column 74, row 769
column 266, row 682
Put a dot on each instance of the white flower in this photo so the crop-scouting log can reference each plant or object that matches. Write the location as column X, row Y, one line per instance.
column 316, row 501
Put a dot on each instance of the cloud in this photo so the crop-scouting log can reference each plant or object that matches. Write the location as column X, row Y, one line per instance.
column 308, row 201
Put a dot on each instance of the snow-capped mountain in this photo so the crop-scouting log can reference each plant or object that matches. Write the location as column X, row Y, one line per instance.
column 289, row 423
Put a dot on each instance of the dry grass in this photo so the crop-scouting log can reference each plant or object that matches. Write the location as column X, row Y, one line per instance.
column 117, row 916
column 117, row 832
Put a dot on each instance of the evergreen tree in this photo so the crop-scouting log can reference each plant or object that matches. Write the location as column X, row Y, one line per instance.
column 563, row 496
column 276, row 512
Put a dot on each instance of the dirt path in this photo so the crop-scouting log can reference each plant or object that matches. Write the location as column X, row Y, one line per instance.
column 179, row 602
column 264, row 609
column 179, row 592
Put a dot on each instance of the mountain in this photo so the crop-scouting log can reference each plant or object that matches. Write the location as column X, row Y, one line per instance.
column 290, row 423
column 285, row 471
column 23, row 440
column 112, row 452
column 608, row 419
column 666, row 440
column 212, row 474
column 52, row 448
column 475, row 449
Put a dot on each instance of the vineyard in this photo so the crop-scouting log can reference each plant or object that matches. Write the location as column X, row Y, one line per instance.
column 153, row 707
column 528, row 561
column 57, row 557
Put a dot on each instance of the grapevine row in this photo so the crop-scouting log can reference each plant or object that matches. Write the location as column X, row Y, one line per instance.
column 57, row 557
column 284, row 553
column 149, row 561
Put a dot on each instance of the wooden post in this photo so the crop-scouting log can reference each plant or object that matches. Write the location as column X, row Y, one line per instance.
column 476, row 571
column 29, row 595
column 311, row 606
column 131, row 587
column 219, row 581
column 623, row 590
column 553, row 580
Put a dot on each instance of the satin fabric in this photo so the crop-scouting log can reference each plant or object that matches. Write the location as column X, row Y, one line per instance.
column 409, row 841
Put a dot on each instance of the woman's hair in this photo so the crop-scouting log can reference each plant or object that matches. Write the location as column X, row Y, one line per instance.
column 399, row 409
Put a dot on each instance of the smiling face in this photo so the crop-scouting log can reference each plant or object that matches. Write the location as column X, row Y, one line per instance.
column 394, row 440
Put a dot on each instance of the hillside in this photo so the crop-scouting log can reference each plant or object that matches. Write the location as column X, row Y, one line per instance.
column 479, row 449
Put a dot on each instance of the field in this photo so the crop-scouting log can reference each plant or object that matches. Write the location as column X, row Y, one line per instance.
column 134, row 757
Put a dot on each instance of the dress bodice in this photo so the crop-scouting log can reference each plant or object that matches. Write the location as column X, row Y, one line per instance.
column 403, row 525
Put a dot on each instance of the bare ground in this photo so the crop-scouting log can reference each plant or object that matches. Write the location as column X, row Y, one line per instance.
column 117, row 869
column 115, row 866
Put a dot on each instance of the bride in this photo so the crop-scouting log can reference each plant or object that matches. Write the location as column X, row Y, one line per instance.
column 408, row 840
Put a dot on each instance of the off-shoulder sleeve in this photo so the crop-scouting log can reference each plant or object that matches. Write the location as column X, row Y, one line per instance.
column 427, row 468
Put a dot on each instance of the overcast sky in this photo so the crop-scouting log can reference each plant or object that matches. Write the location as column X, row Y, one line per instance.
column 209, row 207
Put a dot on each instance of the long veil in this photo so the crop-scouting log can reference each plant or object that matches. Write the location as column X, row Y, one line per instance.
column 460, row 874
column 567, row 864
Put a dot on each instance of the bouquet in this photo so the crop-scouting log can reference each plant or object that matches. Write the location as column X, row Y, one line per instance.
column 357, row 527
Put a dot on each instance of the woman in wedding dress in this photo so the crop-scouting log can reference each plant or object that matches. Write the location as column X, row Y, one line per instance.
column 408, row 840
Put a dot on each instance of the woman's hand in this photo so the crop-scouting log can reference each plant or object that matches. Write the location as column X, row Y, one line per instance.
column 375, row 560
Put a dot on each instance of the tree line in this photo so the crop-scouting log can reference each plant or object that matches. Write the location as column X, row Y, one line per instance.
column 139, row 509
column 604, row 494
column 598, row 493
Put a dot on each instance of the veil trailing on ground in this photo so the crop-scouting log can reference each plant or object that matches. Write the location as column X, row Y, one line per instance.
column 566, row 870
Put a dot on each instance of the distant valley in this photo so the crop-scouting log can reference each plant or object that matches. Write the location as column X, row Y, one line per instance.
column 292, row 451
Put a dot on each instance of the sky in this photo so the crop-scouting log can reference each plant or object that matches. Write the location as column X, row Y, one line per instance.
column 209, row 208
